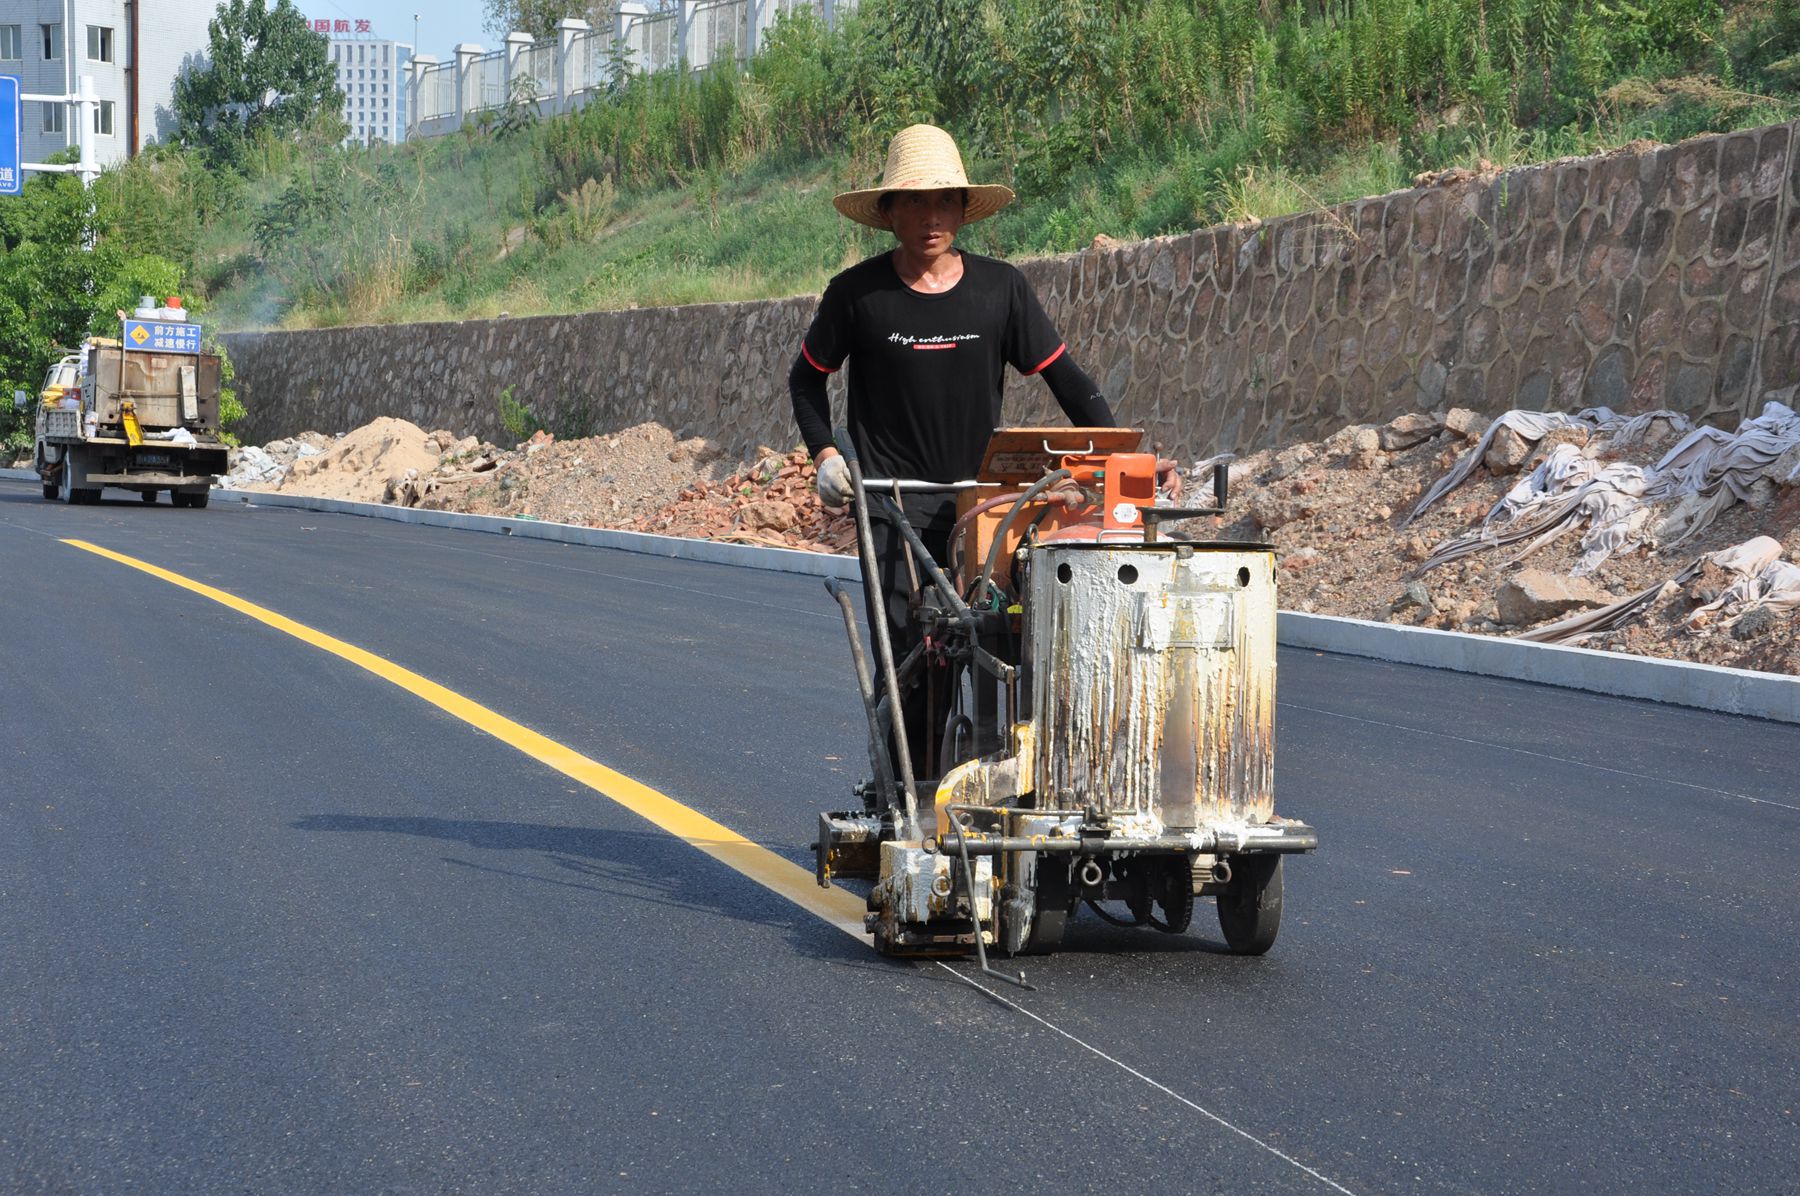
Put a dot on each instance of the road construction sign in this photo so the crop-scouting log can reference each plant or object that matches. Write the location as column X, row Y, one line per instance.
column 12, row 166
column 162, row 336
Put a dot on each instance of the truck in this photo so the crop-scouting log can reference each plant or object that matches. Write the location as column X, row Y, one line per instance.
column 140, row 412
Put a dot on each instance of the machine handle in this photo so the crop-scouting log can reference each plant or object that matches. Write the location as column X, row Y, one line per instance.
column 1221, row 491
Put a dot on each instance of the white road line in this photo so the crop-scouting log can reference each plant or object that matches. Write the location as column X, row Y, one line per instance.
column 1163, row 1088
column 1638, row 776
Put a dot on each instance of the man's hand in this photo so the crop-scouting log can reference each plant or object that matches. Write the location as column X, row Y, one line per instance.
column 1168, row 476
column 834, row 481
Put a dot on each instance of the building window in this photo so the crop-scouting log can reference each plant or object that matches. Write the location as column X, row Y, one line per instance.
column 103, row 118
column 100, row 44
column 52, row 41
column 53, row 118
column 11, row 43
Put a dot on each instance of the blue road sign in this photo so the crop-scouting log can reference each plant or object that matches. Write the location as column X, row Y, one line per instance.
column 159, row 336
column 12, row 166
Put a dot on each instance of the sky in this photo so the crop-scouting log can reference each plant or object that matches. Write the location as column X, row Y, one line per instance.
column 442, row 23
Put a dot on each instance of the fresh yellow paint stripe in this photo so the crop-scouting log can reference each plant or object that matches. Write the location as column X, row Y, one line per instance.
column 840, row 909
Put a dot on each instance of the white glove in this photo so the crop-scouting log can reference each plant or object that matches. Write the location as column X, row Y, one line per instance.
column 834, row 481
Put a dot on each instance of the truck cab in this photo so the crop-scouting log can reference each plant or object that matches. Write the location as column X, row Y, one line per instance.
column 62, row 380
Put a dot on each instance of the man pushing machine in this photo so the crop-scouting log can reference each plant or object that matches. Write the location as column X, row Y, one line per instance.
column 927, row 331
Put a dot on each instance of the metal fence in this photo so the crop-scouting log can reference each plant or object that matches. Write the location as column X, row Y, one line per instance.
column 539, row 61
column 437, row 93
column 720, row 32
column 586, row 63
column 654, row 40
column 485, row 84
column 569, row 69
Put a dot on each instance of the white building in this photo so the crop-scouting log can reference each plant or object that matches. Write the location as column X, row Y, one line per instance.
column 371, row 72
column 132, row 49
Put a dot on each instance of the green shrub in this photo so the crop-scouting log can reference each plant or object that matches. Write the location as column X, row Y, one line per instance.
column 520, row 422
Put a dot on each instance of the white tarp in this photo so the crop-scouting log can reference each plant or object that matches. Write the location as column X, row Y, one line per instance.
column 1760, row 579
column 1704, row 473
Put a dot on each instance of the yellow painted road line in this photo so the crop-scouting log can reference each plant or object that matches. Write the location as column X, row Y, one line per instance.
column 782, row 877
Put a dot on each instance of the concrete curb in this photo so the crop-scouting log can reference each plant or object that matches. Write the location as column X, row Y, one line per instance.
column 746, row 556
column 19, row 475
column 1673, row 682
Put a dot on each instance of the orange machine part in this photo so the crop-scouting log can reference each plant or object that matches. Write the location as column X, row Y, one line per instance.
column 1126, row 481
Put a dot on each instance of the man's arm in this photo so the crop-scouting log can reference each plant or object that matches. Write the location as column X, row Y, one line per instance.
column 822, row 352
column 812, row 405
column 1076, row 393
column 1086, row 407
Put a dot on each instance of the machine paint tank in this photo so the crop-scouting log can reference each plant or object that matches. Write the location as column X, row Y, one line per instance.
column 1152, row 680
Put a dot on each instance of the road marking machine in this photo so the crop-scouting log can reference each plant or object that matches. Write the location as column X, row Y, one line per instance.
column 1108, row 719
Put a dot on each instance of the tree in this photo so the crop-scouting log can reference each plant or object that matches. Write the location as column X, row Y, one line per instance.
column 62, row 277
column 539, row 17
column 267, row 75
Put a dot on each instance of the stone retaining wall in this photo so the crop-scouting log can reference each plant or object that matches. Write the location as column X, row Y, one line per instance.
column 1663, row 278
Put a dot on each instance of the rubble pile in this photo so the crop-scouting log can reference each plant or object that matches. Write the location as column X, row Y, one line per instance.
column 1500, row 527
column 771, row 502
column 1629, row 533
column 599, row 481
column 253, row 467
column 595, row 481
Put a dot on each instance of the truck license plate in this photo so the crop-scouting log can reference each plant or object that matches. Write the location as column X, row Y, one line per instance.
column 153, row 458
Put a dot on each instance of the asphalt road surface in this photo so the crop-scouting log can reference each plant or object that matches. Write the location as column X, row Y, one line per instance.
column 270, row 923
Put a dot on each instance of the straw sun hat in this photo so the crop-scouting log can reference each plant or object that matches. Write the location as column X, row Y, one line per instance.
column 922, row 158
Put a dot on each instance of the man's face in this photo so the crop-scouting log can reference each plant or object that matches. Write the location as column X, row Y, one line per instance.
column 925, row 222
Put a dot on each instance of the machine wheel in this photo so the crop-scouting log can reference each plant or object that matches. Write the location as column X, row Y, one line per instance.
column 191, row 498
column 1250, row 909
column 147, row 495
column 1055, row 894
column 50, row 491
column 1175, row 896
column 1046, row 931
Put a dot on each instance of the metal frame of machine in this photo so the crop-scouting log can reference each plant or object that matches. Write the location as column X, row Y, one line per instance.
column 1110, row 734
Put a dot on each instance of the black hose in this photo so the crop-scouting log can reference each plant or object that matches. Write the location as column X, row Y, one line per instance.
column 1106, row 917
column 978, row 595
column 917, row 547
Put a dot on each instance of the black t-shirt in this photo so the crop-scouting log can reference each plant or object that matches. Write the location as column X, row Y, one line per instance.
column 926, row 370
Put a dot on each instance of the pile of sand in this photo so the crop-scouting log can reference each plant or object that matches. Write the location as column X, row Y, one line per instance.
column 365, row 465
